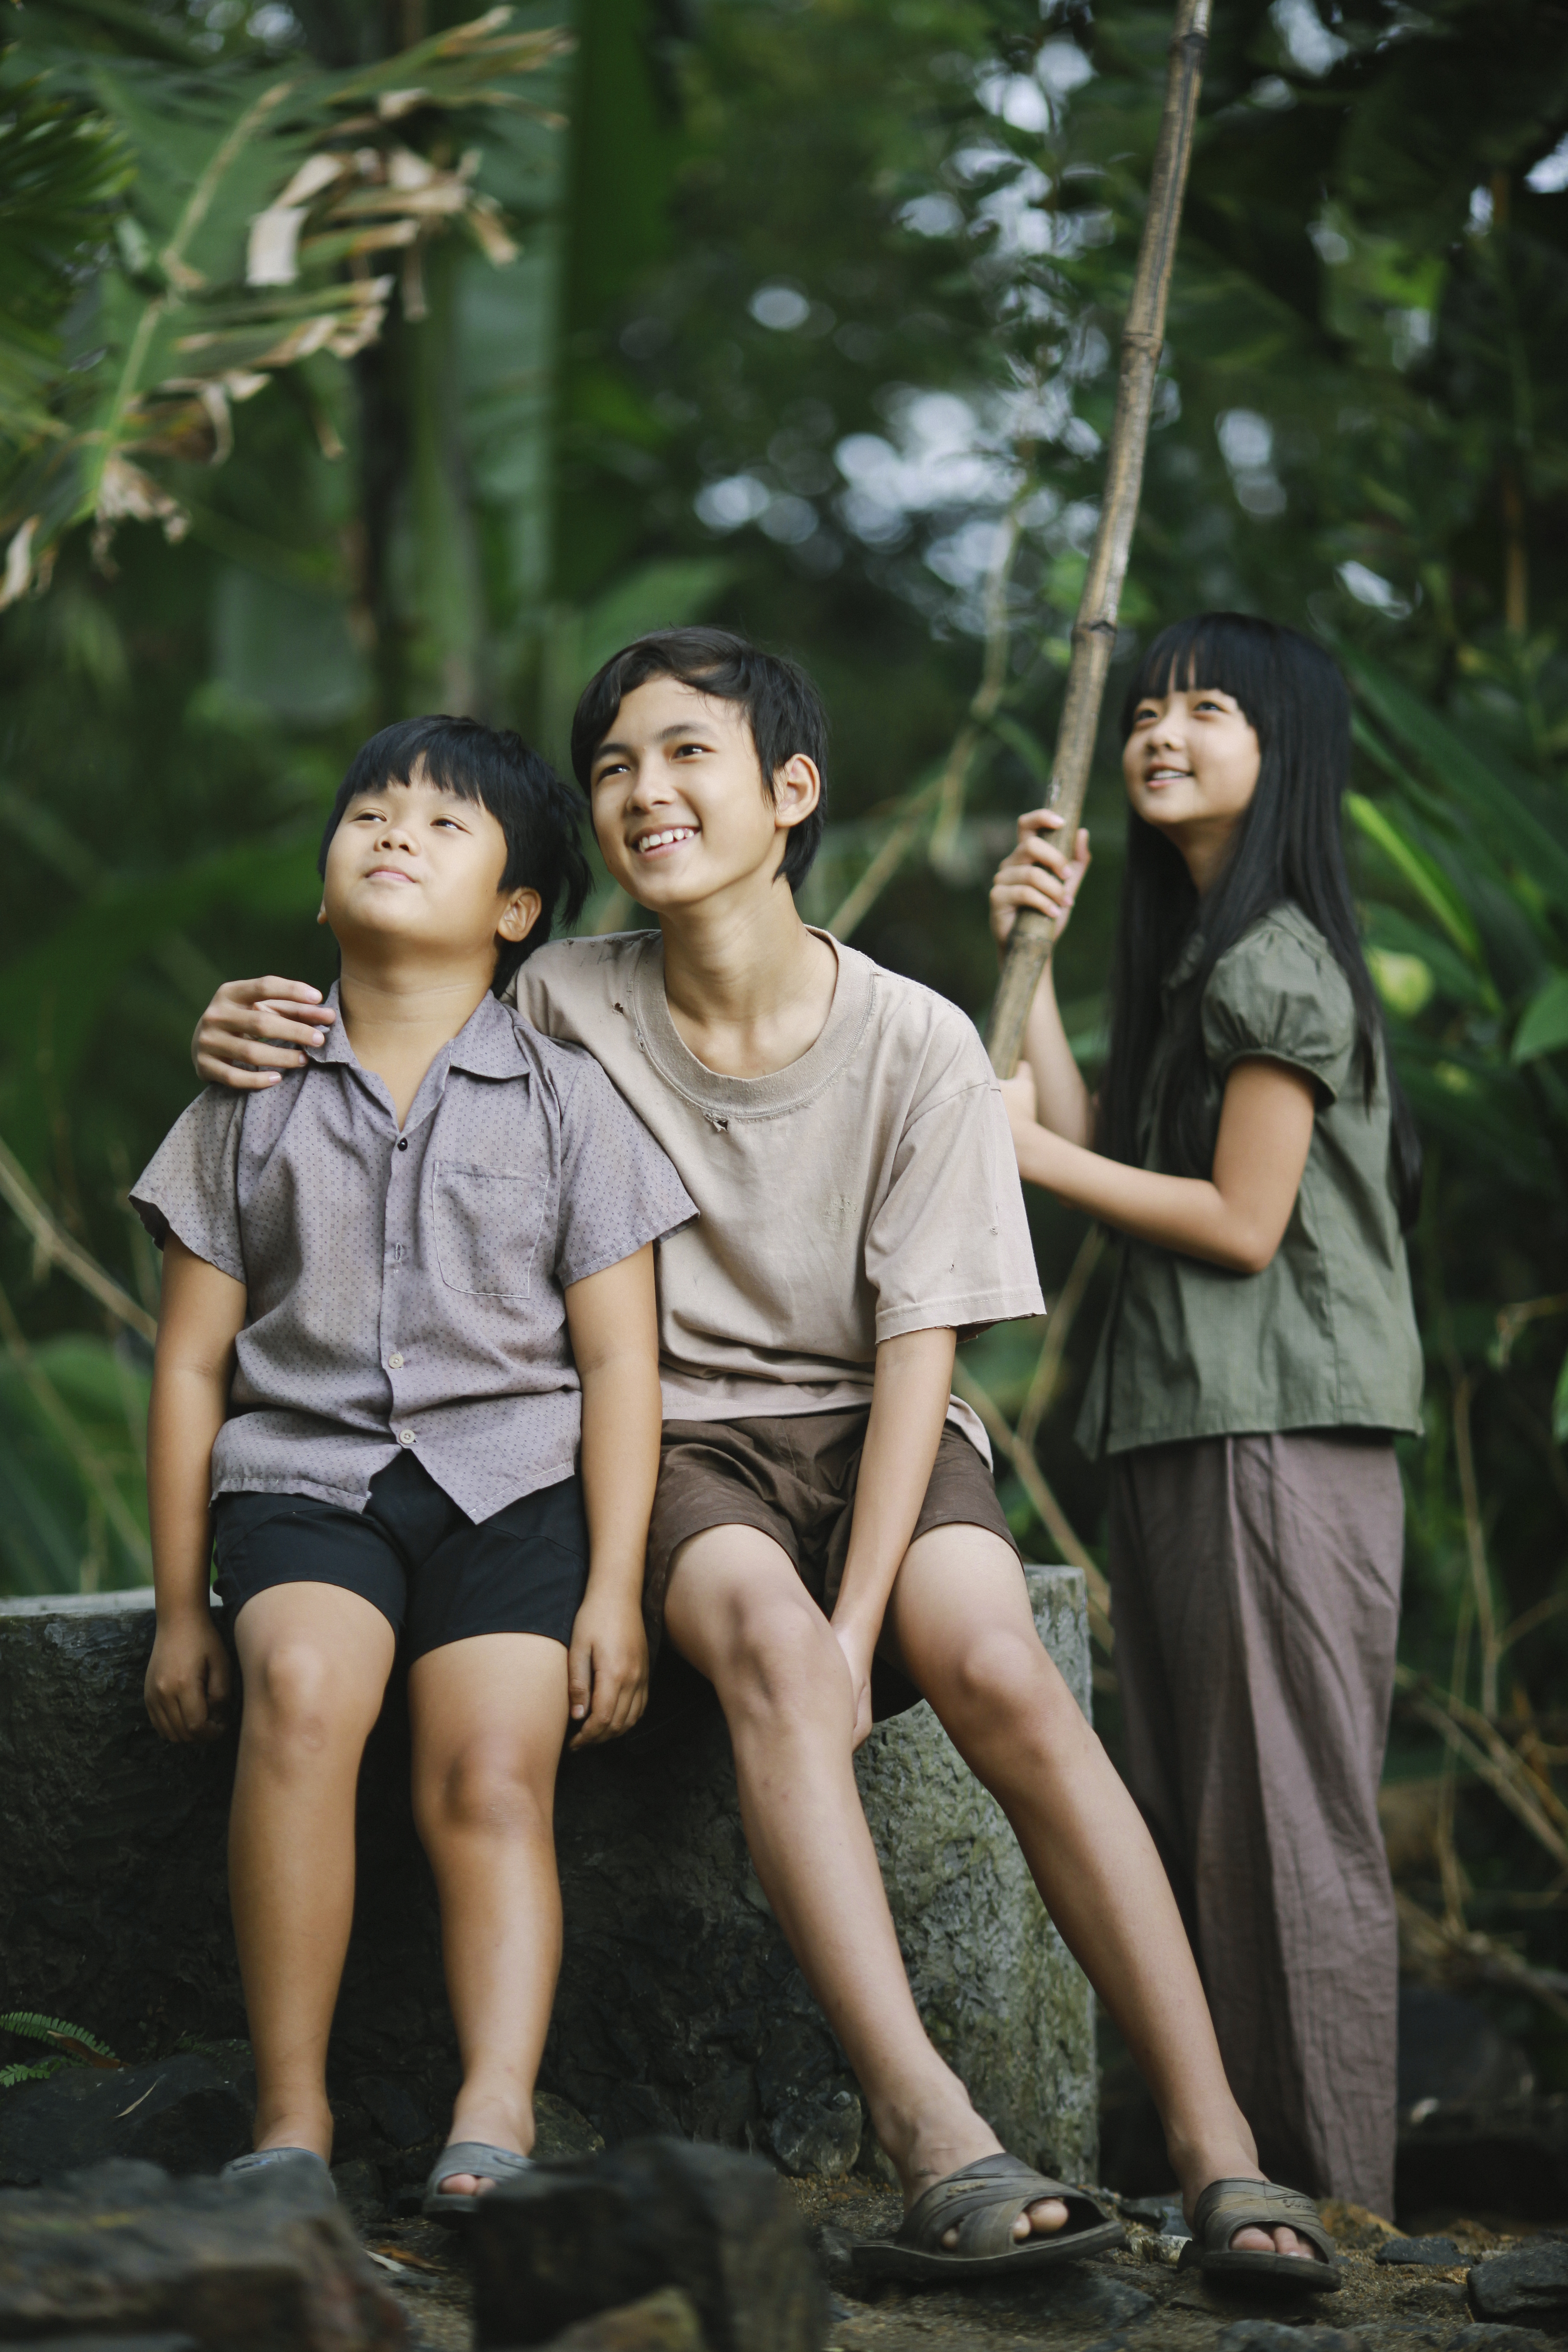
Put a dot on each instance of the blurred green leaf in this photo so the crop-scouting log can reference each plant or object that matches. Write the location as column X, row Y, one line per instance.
column 1419, row 869
column 1544, row 1028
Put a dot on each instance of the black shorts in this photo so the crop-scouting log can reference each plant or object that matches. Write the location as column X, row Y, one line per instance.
column 412, row 1553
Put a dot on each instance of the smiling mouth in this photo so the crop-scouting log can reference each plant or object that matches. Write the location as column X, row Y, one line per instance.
column 1167, row 775
column 670, row 838
column 388, row 874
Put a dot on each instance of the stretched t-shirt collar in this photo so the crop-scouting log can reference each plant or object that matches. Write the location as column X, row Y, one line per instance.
column 722, row 1098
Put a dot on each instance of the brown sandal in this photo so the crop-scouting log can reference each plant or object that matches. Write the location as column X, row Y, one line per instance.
column 981, row 2202
column 1228, row 2206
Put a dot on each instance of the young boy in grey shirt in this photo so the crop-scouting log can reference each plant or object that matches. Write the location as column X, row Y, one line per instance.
column 404, row 1292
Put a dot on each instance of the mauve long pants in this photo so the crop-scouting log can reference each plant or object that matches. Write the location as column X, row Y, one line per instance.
column 1254, row 1593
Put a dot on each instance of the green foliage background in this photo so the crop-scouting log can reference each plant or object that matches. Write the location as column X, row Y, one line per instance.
column 811, row 322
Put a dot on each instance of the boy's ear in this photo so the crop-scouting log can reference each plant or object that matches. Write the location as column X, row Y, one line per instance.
column 321, row 912
column 797, row 788
column 518, row 916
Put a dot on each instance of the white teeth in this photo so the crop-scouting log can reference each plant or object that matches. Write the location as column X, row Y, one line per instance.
column 659, row 840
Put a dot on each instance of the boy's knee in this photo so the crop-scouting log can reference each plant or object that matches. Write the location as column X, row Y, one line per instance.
column 779, row 1660
column 289, row 1698
column 482, row 1789
column 1002, row 1684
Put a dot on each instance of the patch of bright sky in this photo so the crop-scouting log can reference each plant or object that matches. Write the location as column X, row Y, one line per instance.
column 1312, row 47
column 1549, row 177
column 1370, row 587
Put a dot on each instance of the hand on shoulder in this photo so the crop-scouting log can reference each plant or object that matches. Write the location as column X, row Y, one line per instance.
column 254, row 1030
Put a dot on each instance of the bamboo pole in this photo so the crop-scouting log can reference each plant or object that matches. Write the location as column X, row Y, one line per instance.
column 1094, row 631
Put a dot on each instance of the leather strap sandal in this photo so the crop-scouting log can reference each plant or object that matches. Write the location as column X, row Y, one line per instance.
column 475, row 2156
column 981, row 2202
column 298, row 2163
column 1228, row 2206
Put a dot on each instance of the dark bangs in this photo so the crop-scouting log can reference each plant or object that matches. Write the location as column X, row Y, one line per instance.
column 533, row 808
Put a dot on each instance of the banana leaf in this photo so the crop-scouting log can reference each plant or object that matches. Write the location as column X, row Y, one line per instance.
column 262, row 205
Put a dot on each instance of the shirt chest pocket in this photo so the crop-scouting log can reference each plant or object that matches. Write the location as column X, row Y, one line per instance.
column 487, row 1225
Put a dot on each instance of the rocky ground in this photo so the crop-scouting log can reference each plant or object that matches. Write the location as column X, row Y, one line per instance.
column 1114, row 2303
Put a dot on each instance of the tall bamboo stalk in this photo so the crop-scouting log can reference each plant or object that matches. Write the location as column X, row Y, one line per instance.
column 1094, row 631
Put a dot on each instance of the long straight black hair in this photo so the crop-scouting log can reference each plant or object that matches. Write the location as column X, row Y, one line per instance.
column 1287, row 845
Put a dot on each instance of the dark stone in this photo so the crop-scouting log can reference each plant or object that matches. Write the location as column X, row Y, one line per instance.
column 1085, row 2298
column 1279, row 2336
column 1486, row 2337
column 238, row 2267
column 1450, row 2049
column 664, row 2322
column 1419, row 2253
column 679, row 2008
column 1517, row 2147
column 565, row 2244
column 1162, row 2214
column 1526, row 2282
column 187, row 2114
column 361, row 2192
column 95, row 2343
column 396, row 2108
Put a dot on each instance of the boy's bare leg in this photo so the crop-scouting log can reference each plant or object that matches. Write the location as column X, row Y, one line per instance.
column 315, row 1660
column 488, row 1717
column 961, row 1618
column 738, row 1611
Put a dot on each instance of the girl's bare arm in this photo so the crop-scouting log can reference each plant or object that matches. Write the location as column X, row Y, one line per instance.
column 1236, row 1218
column 1036, row 873
column 199, row 1318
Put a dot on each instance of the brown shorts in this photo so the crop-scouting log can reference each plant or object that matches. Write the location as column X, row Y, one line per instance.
column 793, row 1477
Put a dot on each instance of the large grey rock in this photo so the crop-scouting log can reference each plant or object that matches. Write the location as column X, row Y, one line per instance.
column 680, row 2008
column 556, row 2247
column 1527, row 2282
column 124, row 2250
column 187, row 2113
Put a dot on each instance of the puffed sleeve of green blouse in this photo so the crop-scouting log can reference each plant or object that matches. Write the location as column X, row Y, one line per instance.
column 1279, row 992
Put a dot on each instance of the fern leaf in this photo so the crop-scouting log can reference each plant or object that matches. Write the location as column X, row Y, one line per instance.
column 11, row 2075
column 80, row 2048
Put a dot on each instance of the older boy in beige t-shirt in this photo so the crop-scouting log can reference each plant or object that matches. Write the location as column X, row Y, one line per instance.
column 822, row 1497
column 863, row 1192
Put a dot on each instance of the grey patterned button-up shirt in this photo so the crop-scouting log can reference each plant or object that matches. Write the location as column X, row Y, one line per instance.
column 405, row 1287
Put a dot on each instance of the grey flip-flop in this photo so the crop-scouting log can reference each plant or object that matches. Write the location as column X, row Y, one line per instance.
column 1228, row 2206
column 302, row 2161
column 475, row 2156
column 982, row 2202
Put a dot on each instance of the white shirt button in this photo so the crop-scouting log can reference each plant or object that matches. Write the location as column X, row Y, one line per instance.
column 394, row 1363
column 405, row 1437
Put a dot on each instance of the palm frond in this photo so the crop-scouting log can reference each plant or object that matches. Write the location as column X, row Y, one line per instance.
column 260, row 207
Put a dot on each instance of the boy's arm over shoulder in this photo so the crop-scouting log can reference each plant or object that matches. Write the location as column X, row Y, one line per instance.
column 190, row 1186
column 568, row 987
column 949, row 1246
column 619, row 1189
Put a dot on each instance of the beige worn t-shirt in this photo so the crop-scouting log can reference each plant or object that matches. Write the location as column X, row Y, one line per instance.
column 868, row 1189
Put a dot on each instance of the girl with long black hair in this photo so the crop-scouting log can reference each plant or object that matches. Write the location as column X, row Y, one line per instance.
column 1251, row 1145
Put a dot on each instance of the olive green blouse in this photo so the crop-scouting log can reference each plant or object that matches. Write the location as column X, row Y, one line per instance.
column 1325, row 1337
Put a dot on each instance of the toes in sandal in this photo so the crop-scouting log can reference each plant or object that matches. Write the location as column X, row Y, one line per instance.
column 1228, row 2206
column 982, row 2202
column 297, row 2166
column 475, row 2156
